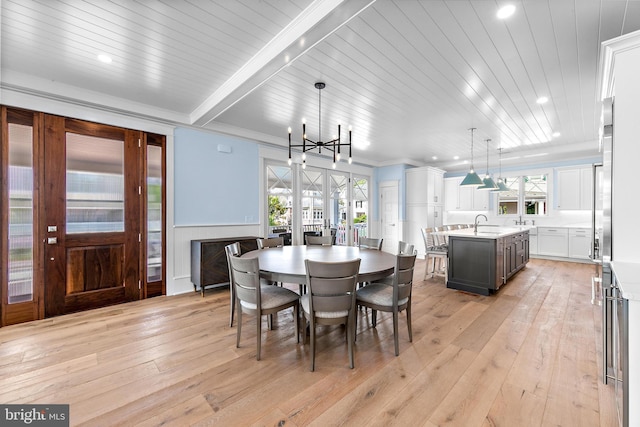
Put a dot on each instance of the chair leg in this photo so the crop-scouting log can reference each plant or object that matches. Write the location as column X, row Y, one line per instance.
column 312, row 337
column 395, row 331
column 374, row 316
column 239, row 323
column 409, row 321
column 296, row 316
column 259, row 333
column 232, row 293
column 350, row 339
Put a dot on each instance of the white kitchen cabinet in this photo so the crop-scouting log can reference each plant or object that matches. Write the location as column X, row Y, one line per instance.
column 464, row 198
column 533, row 241
column 579, row 243
column 553, row 241
column 424, row 203
column 574, row 188
column 481, row 200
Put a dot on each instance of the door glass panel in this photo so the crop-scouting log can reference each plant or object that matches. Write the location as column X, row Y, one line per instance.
column 280, row 200
column 20, row 184
column 508, row 200
column 95, row 184
column 360, row 208
column 154, row 213
column 338, row 207
column 312, row 200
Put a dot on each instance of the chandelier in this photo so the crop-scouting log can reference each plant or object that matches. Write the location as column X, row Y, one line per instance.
column 307, row 144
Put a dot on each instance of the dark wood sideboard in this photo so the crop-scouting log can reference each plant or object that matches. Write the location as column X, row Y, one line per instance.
column 209, row 261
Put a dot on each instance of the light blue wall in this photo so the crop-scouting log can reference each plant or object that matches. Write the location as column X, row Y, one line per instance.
column 212, row 186
column 390, row 173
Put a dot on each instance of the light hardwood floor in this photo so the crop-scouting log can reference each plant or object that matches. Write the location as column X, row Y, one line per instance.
column 527, row 356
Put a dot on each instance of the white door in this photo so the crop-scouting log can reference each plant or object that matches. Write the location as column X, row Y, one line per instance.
column 389, row 216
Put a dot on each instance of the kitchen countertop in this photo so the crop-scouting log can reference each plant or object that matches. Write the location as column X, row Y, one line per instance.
column 628, row 277
column 486, row 232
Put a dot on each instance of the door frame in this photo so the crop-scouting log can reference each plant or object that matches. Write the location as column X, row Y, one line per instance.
column 395, row 185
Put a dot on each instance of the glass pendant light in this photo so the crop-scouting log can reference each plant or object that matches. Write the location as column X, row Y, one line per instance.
column 501, row 182
column 472, row 178
column 487, row 183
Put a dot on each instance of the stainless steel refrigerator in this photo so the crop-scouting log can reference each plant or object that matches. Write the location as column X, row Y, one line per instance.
column 605, row 291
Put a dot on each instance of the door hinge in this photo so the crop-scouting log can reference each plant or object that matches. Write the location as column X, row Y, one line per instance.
column 139, row 237
column 139, row 284
column 139, row 190
column 139, row 143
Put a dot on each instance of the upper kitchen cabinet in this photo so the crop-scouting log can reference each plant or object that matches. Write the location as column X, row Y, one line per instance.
column 458, row 198
column 424, row 185
column 574, row 188
column 424, row 202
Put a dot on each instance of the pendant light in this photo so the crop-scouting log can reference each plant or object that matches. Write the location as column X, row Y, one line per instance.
column 487, row 183
column 501, row 182
column 472, row 178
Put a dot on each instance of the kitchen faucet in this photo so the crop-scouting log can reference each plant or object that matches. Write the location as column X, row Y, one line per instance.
column 475, row 222
column 520, row 222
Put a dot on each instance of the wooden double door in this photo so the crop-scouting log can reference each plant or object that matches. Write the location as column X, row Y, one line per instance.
column 89, row 215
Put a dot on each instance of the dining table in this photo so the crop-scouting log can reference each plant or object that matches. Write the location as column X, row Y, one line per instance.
column 286, row 263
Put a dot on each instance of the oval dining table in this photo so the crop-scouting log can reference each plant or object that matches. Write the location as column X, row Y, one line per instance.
column 286, row 264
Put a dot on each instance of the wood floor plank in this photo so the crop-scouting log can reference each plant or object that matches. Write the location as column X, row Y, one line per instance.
column 527, row 356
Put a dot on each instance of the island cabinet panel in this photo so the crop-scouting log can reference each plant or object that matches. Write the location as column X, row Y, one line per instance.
column 209, row 260
column 475, row 264
column 482, row 262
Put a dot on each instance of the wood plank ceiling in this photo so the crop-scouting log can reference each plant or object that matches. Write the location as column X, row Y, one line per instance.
column 409, row 76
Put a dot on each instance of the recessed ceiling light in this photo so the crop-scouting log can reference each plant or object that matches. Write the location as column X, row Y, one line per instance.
column 103, row 57
column 435, row 157
column 456, row 157
column 542, row 100
column 555, row 134
column 506, row 11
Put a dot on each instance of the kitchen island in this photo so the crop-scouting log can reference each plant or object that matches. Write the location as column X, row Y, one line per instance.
column 482, row 261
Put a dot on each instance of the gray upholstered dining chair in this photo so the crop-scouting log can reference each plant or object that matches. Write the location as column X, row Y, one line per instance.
column 392, row 299
column 251, row 298
column 370, row 243
column 272, row 242
column 331, row 299
column 319, row 240
column 404, row 248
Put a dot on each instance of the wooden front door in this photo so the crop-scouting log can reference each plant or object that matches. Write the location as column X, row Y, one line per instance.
column 92, row 215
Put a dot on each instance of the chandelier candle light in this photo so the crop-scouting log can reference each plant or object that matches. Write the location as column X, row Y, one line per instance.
column 307, row 144
column 472, row 178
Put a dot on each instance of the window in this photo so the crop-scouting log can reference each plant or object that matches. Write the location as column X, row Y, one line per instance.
column 527, row 195
column 535, row 195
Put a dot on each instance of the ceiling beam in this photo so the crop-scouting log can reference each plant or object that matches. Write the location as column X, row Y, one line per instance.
column 317, row 22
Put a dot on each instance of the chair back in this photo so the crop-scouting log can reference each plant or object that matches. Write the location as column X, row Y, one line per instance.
column 427, row 236
column 232, row 250
column 319, row 240
column 332, row 286
column 404, row 248
column 370, row 243
column 273, row 242
column 246, row 281
column 403, row 278
column 440, row 240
